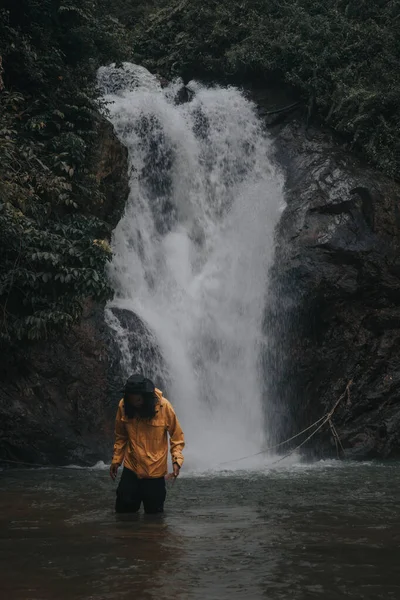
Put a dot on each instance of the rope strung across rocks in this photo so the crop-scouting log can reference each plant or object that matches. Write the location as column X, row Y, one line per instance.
column 327, row 418
column 275, row 446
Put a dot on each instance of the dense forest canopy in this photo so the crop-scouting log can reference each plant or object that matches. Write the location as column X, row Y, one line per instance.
column 341, row 57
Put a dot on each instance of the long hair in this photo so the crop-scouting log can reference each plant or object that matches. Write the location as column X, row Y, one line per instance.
column 146, row 411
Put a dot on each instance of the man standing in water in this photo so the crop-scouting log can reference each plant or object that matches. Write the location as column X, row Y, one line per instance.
column 144, row 420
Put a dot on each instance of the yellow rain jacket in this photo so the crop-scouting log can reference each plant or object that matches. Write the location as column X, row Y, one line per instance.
column 142, row 445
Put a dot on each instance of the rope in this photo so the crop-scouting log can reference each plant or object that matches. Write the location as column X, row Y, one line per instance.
column 326, row 418
column 275, row 446
column 281, row 110
column 337, row 439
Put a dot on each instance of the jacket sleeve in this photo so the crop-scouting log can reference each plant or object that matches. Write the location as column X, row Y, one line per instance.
column 177, row 440
column 121, row 438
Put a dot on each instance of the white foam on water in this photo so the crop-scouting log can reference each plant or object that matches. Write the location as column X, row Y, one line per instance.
column 99, row 466
column 293, row 465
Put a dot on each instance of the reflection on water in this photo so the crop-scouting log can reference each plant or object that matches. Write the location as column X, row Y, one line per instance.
column 328, row 531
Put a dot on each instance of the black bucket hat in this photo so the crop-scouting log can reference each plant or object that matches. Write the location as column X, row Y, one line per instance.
column 138, row 384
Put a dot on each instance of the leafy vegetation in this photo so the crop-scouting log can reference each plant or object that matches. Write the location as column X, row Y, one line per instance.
column 341, row 55
column 53, row 250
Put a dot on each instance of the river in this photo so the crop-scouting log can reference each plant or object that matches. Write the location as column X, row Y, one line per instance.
column 329, row 530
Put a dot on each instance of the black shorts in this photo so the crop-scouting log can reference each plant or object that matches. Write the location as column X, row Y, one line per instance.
column 132, row 491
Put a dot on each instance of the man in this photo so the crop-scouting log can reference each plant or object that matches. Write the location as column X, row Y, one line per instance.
column 144, row 419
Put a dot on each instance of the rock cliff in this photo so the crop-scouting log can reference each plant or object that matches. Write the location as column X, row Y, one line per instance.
column 334, row 311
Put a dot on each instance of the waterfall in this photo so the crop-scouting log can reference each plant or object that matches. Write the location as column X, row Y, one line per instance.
column 192, row 252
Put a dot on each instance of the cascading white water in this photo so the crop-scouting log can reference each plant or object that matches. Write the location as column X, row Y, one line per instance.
column 192, row 251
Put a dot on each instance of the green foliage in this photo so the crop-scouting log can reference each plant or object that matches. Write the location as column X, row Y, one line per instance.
column 342, row 56
column 131, row 12
column 53, row 253
column 47, row 273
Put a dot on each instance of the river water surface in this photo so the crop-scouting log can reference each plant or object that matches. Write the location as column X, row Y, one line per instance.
column 329, row 530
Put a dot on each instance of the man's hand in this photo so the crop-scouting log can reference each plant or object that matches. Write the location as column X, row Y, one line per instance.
column 114, row 470
column 175, row 472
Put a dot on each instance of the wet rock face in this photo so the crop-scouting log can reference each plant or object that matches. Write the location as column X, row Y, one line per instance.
column 334, row 314
column 54, row 404
column 111, row 162
column 132, row 348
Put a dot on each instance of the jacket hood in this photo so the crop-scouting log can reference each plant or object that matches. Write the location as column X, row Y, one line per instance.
column 159, row 394
column 138, row 384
